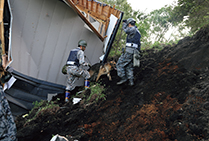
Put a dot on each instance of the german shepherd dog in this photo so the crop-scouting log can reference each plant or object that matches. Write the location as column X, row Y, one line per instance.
column 99, row 69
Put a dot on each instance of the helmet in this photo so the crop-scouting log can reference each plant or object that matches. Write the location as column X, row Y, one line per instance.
column 82, row 43
column 131, row 20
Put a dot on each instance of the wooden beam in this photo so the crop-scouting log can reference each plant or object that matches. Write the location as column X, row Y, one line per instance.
column 107, row 23
column 2, row 25
column 1, row 10
column 85, row 4
column 106, row 11
column 89, row 5
column 81, row 2
column 99, row 9
column 73, row 6
column 94, row 8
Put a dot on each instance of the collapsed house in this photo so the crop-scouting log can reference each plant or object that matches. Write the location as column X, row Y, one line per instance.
column 42, row 33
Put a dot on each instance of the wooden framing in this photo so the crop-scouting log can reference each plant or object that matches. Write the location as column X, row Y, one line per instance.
column 2, row 25
column 97, row 10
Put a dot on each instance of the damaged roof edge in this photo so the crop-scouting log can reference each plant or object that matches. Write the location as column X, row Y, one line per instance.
column 71, row 4
column 81, row 15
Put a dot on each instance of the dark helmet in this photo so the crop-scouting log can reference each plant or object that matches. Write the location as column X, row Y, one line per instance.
column 82, row 43
column 131, row 21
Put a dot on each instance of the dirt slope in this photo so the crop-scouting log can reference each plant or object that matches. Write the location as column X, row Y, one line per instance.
column 169, row 101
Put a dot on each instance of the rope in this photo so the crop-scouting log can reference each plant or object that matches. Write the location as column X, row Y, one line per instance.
column 88, row 60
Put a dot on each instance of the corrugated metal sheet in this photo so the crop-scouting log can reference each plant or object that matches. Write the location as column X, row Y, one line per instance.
column 44, row 32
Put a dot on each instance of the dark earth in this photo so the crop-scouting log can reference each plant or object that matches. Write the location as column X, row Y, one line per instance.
column 169, row 102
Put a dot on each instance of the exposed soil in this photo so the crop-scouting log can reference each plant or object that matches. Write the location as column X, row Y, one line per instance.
column 169, row 102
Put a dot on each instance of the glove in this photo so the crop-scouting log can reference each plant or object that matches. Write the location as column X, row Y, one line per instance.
column 125, row 21
column 137, row 57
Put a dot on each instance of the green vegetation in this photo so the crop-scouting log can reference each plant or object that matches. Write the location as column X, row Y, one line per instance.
column 44, row 107
column 40, row 108
column 97, row 89
column 96, row 93
column 162, row 26
column 194, row 13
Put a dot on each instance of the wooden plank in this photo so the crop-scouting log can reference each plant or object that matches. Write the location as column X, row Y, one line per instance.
column 99, row 17
column 99, row 9
column 106, row 11
column 85, row 4
column 81, row 2
column 1, row 10
column 112, row 10
column 106, row 24
column 118, row 14
column 73, row 6
column 94, row 7
column 90, row 5
column 96, row 10
column 99, row 14
column 75, row 2
column 2, row 25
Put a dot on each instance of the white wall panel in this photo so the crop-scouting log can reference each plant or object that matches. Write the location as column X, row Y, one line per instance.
column 44, row 32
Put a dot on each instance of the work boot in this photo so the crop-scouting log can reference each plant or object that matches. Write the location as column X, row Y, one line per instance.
column 131, row 82
column 87, row 84
column 67, row 96
column 121, row 81
column 66, row 99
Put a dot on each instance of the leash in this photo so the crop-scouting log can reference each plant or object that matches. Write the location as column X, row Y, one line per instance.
column 88, row 59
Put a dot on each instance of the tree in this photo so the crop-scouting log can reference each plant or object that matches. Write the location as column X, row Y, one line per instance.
column 193, row 12
column 153, row 26
column 160, row 23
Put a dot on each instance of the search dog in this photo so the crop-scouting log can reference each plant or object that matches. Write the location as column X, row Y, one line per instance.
column 99, row 69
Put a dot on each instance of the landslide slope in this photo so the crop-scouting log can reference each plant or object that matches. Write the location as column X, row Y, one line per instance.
column 169, row 101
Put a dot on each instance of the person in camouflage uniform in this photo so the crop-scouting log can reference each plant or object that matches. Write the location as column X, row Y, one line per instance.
column 75, row 69
column 7, row 125
column 125, row 68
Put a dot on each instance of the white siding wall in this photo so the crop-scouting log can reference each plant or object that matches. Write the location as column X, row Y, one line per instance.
column 44, row 32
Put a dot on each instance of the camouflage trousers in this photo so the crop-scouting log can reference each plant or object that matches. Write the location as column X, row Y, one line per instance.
column 7, row 125
column 125, row 69
column 73, row 73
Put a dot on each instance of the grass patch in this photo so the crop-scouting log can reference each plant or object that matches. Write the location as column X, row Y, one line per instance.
column 96, row 93
column 42, row 108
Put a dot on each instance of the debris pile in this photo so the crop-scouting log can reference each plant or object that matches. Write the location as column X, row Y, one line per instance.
column 169, row 101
